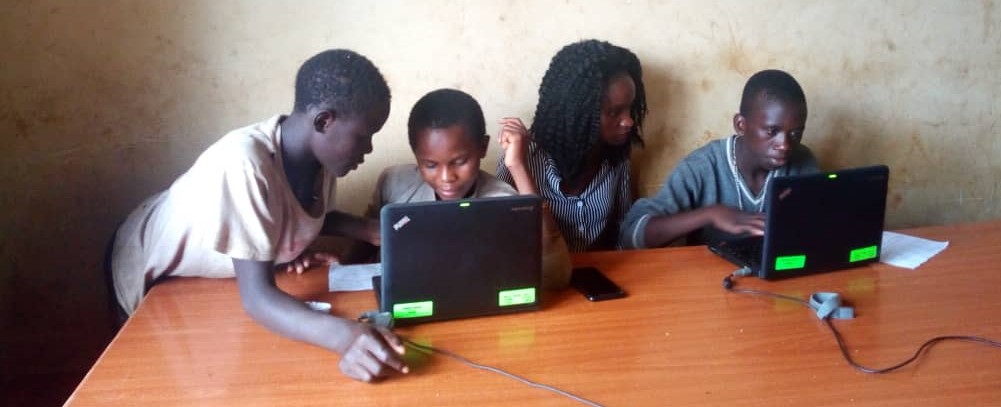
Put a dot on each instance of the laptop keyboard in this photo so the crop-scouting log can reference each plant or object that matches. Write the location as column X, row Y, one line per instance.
column 750, row 251
column 745, row 252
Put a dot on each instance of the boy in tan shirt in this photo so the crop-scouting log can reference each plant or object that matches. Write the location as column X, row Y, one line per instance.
column 258, row 197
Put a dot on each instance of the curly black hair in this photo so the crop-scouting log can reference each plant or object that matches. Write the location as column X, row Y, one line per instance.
column 340, row 80
column 771, row 85
column 443, row 108
column 568, row 116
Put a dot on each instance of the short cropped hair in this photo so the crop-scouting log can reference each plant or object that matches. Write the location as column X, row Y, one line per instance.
column 340, row 80
column 771, row 85
column 443, row 108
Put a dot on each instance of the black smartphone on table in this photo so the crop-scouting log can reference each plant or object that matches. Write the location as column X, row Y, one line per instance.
column 594, row 285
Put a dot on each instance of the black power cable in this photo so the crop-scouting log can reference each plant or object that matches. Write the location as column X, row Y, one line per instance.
column 728, row 284
column 385, row 320
column 430, row 349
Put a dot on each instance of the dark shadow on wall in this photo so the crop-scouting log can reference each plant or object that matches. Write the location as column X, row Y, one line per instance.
column 81, row 108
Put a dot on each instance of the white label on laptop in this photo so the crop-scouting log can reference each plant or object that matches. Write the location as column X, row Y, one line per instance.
column 401, row 223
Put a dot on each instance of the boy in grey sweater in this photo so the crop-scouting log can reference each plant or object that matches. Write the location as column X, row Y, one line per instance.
column 717, row 191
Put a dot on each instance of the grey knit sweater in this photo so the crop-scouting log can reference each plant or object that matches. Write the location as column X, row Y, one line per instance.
column 703, row 178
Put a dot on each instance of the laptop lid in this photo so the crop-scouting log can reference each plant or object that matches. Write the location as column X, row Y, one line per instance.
column 817, row 223
column 455, row 259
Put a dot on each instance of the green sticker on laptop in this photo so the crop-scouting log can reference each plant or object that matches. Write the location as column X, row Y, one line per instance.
column 413, row 309
column 790, row 262
column 519, row 296
column 864, row 253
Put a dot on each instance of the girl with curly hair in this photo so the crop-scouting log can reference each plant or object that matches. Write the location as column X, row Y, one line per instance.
column 590, row 113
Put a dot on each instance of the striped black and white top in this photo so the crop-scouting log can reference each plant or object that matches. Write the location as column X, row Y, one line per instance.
column 590, row 220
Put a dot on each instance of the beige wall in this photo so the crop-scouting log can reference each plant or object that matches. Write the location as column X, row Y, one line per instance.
column 104, row 102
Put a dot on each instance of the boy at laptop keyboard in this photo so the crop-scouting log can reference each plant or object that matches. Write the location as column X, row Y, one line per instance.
column 447, row 134
column 717, row 191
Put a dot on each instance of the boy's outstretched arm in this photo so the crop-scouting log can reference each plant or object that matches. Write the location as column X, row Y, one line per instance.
column 367, row 353
column 664, row 229
column 675, row 211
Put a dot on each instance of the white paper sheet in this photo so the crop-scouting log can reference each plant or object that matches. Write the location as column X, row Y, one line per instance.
column 355, row 277
column 908, row 251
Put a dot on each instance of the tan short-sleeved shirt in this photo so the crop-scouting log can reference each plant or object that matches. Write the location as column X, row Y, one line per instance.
column 234, row 202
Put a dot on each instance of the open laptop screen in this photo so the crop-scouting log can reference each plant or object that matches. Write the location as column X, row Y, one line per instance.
column 816, row 223
column 453, row 259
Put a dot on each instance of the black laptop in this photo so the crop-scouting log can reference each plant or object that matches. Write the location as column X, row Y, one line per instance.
column 815, row 223
column 455, row 259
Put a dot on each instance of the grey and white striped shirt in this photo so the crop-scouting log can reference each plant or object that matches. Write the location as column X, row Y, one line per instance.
column 591, row 219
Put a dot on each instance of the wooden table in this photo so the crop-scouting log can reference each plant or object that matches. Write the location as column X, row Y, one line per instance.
column 678, row 339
